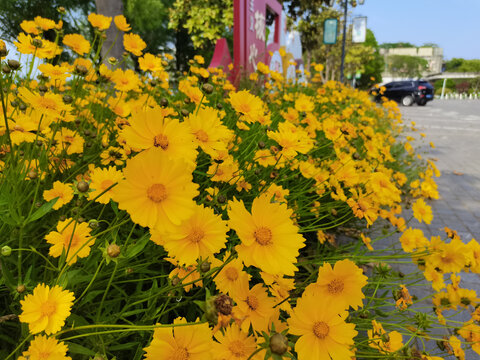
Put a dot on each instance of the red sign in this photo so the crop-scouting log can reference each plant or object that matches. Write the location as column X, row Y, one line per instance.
column 249, row 37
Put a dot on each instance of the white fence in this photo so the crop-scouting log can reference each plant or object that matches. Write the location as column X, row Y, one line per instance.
column 456, row 96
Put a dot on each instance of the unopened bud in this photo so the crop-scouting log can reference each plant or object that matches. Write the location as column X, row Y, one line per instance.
column 13, row 64
column 21, row 288
column 279, row 344
column 67, row 99
column 37, row 43
column 82, row 186
column 6, row 250
column 184, row 112
column 208, row 88
column 163, row 102
column 205, row 266
column 113, row 250
column 32, row 174
column 6, row 69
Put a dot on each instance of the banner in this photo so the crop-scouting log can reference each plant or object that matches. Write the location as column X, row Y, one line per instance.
column 359, row 32
column 330, row 31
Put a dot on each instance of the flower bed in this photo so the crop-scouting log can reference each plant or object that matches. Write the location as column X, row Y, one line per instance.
column 145, row 219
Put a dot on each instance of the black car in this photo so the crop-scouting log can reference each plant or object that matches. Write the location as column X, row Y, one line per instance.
column 406, row 92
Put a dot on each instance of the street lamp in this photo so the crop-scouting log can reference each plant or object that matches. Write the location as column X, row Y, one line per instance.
column 345, row 10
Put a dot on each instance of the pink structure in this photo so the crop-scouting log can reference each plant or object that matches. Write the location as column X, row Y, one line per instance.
column 249, row 37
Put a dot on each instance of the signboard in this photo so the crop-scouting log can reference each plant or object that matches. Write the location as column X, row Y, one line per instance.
column 359, row 31
column 330, row 31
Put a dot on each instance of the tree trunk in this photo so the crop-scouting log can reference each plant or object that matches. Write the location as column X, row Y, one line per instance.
column 111, row 8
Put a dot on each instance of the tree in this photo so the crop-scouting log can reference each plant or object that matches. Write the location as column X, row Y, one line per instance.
column 406, row 66
column 396, row 45
column 13, row 12
column 373, row 69
column 462, row 65
column 114, row 42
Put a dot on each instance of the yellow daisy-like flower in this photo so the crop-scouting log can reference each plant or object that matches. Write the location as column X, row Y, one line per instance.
column 62, row 191
column 43, row 23
column 422, row 211
column 134, row 44
column 46, row 309
column 270, row 240
column 121, row 23
column 150, row 63
column 254, row 307
column 150, row 130
column 341, row 284
column 125, row 80
column 231, row 280
column 99, row 21
column 249, row 105
column 49, row 104
column 181, row 342
column 324, row 334
column 103, row 179
column 304, row 103
column 386, row 343
column 234, row 344
column 46, row 348
column 30, row 27
column 200, row 236
column 54, row 72
column 210, row 133
column 77, row 43
column 157, row 191
column 70, row 238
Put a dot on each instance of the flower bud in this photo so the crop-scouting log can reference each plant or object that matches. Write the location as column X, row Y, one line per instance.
column 67, row 99
column 21, row 288
column 82, row 186
column 205, row 266
column 6, row 250
column 208, row 88
column 279, row 344
column 113, row 250
column 32, row 174
column 37, row 43
column 13, row 64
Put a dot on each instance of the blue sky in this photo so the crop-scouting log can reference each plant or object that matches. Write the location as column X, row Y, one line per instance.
column 452, row 24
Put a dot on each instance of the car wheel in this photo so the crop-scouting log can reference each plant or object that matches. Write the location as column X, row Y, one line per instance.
column 422, row 102
column 407, row 100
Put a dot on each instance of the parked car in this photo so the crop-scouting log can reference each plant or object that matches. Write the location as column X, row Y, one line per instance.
column 406, row 92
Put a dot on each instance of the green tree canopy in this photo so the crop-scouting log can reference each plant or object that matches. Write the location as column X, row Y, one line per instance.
column 462, row 65
column 396, row 45
column 406, row 66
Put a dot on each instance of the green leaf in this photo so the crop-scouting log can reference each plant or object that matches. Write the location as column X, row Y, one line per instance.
column 79, row 349
column 136, row 248
column 42, row 211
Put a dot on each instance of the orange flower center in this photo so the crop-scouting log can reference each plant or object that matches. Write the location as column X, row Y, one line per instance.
column 47, row 103
column 180, row 354
column 252, row 302
column 106, row 184
column 157, row 193
column 263, row 236
column 71, row 241
column 237, row 348
column 244, row 108
column 231, row 273
column 335, row 286
column 44, row 355
column 48, row 308
column 161, row 140
column 195, row 235
column 201, row 136
column 321, row 329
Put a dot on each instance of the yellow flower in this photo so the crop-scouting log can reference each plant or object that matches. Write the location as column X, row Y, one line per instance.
column 254, row 307
column 54, row 72
column 304, row 103
column 125, row 80
column 30, row 27
column 77, row 43
column 270, row 240
column 150, row 63
column 121, row 23
column 46, row 309
column 49, row 104
column 210, row 133
column 383, row 341
column 134, row 44
column 157, row 191
column 62, row 191
column 250, row 106
column 341, row 284
column 102, row 179
column 200, row 236
column 412, row 239
column 233, row 344
column 43, row 23
column 99, row 21
column 422, row 211
column 231, row 280
column 46, row 348
column 72, row 239
column 149, row 129
column 181, row 342
column 324, row 334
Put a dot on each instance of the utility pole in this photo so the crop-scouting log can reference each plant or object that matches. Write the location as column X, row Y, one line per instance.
column 342, row 65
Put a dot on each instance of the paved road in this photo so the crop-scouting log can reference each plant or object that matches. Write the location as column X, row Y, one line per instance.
column 454, row 128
